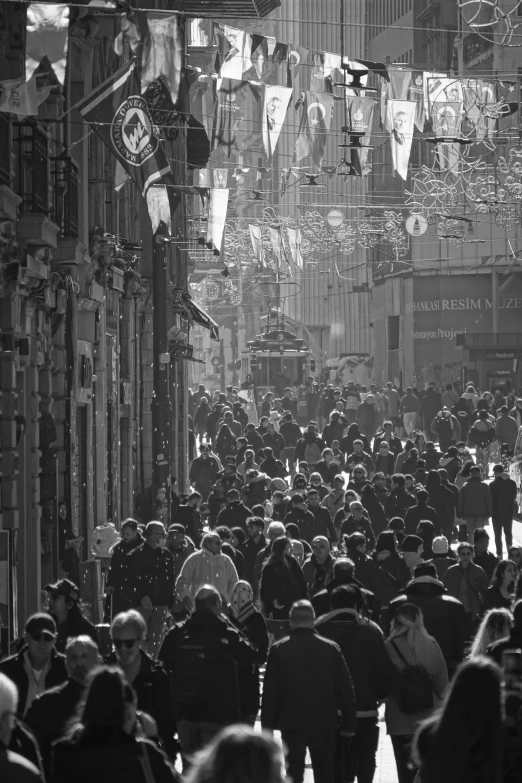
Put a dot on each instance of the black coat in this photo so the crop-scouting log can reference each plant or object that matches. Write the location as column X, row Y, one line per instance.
column 393, row 576
column 444, row 616
column 151, row 573
column 442, row 500
column 152, row 689
column 495, row 600
column 256, row 631
column 511, row 642
column 363, row 525
column 13, row 668
column 503, row 496
column 74, row 625
column 362, row 645
column 376, row 513
column 416, row 514
column 283, row 584
column 234, row 515
column 398, row 503
column 190, row 518
column 250, row 549
column 117, row 575
column 106, row 762
column 49, row 714
column 431, row 458
column 306, row 682
column 305, row 521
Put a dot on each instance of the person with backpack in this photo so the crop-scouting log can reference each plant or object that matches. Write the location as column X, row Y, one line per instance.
column 309, row 448
column 421, row 683
column 482, row 435
column 201, row 657
column 474, row 504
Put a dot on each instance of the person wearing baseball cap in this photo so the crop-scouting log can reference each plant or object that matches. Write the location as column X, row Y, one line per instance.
column 64, row 607
column 37, row 666
column 151, row 578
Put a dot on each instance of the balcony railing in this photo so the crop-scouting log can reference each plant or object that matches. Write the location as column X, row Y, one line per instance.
column 33, row 169
column 5, row 150
column 65, row 182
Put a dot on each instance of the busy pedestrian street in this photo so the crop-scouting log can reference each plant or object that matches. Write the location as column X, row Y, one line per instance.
column 261, row 391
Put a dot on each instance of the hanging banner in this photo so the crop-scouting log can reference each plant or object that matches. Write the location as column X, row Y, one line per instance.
column 238, row 124
column 313, row 129
column 416, row 93
column 446, row 120
column 162, row 52
column 294, row 241
column 121, row 118
column 277, row 100
column 359, row 117
column 256, row 238
column 237, row 60
column 217, row 214
column 400, row 121
column 46, row 36
column 22, row 98
column 298, row 56
column 277, row 243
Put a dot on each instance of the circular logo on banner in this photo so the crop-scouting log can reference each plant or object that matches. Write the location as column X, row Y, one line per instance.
column 214, row 361
column 416, row 225
column 335, row 217
column 131, row 132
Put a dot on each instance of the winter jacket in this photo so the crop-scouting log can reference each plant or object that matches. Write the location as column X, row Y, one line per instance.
column 511, row 642
column 283, row 584
column 301, row 452
column 474, row 499
column 477, row 584
column 487, row 561
column 394, row 442
column 334, row 501
column 432, row 458
column 234, row 515
column 451, row 465
column 317, row 575
column 503, row 496
column 442, row 563
column 334, row 431
column 363, row 458
column 14, row 668
column 362, row 525
column 117, row 575
column 225, row 647
column 15, row 768
column 444, row 616
column 201, row 416
column 393, row 576
column 506, row 430
column 430, row 406
column 151, row 574
column 398, row 503
column 276, row 442
column 441, row 499
column 291, row 432
column 327, row 472
column 250, row 549
column 153, row 697
column 179, row 556
column 254, row 441
column 306, row 683
column 416, row 514
column 323, row 525
column 354, row 434
column 385, row 463
column 305, row 521
column 409, row 404
column 367, row 418
column 481, row 434
column 75, row 624
column 494, row 599
column 203, row 473
column 205, row 568
column 375, row 512
column 362, row 645
column 49, row 714
column 190, row 518
column 108, row 761
column 447, row 429
column 256, row 631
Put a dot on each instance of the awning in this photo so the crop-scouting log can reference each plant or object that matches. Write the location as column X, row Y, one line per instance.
column 199, row 316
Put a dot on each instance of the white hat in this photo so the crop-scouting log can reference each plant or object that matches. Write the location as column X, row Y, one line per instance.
column 440, row 545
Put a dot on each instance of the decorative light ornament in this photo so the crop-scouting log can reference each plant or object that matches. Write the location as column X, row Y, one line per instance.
column 492, row 20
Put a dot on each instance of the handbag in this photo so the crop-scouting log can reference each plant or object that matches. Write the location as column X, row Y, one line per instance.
column 344, row 762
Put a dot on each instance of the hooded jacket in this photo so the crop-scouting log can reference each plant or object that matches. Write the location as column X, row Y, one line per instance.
column 474, row 499
column 362, row 645
column 444, row 616
column 205, row 568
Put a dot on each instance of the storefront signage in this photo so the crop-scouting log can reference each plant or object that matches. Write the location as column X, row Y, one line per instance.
column 430, row 305
column 500, row 354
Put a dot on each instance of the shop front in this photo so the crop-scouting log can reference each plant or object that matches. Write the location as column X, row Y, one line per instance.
column 454, row 318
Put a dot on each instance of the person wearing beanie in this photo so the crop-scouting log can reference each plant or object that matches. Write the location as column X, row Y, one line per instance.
column 441, row 556
column 444, row 616
column 411, row 550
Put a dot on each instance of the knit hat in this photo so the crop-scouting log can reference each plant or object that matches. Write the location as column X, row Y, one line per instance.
column 278, row 483
column 440, row 545
column 412, row 543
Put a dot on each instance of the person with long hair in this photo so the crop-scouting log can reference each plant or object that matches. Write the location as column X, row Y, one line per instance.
column 239, row 755
column 462, row 741
column 515, row 554
column 409, row 644
column 501, row 592
column 299, row 484
column 226, row 443
column 104, row 741
column 464, row 474
column 282, row 581
column 496, row 624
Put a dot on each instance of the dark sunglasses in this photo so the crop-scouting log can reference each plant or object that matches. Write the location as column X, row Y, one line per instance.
column 127, row 643
column 45, row 636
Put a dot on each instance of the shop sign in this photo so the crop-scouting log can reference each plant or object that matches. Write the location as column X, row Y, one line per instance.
column 500, row 354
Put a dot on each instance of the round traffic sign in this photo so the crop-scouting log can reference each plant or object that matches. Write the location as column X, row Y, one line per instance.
column 416, row 225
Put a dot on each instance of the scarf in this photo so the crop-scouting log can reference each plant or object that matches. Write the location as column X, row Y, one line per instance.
column 242, row 601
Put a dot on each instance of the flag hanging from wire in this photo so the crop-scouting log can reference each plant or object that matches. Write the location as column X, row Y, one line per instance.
column 121, row 118
column 217, row 215
column 359, row 118
column 399, row 120
column 294, row 240
column 46, row 36
column 256, row 238
column 313, row 129
column 277, row 100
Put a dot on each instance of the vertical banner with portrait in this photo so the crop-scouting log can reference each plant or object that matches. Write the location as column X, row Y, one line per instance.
column 276, row 104
column 400, row 117
column 217, row 214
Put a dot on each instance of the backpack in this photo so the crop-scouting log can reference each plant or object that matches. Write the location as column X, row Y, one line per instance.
column 415, row 687
column 197, row 668
column 482, row 438
column 312, row 453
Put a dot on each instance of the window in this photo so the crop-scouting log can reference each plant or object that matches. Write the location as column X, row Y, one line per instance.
column 394, row 327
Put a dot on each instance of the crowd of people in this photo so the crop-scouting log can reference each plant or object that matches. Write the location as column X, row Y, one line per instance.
column 311, row 575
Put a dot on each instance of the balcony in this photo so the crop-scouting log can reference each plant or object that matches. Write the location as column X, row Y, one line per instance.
column 5, row 150
column 33, row 169
column 243, row 9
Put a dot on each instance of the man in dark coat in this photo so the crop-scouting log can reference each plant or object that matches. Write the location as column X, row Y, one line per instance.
column 37, row 655
column 399, row 501
column 147, row 677
column 307, row 683
column 50, row 712
column 254, row 543
column 417, row 513
column 370, row 666
column 117, row 584
column 180, row 547
column 188, row 515
column 444, row 616
column 200, row 656
column 303, row 518
column 235, row 514
column 503, row 501
column 323, row 521
column 151, row 576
